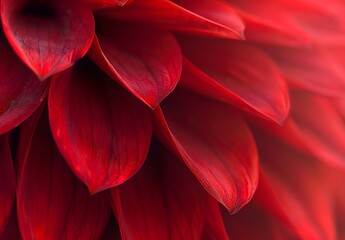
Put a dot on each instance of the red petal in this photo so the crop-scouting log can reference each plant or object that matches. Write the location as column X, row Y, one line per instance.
column 48, row 37
column 170, row 197
column 101, row 130
column 8, row 183
column 220, row 12
column 236, row 72
column 315, row 68
column 12, row 231
column 112, row 231
column 194, row 19
column 122, row 2
column 337, row 176
column 20, row 90
column 293, row 199
column 340, row 104
column 293, row 22
column 148, row 63
column 52, row 203
column 27, row 130
column 101, row 4
column 304, row 197
column 315, row 127
column 215, row 143
column 214, row 228
column 253, row 223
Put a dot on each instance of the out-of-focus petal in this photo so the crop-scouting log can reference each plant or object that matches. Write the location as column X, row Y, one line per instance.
column 170, row 197
column 102, row 4
column 12, row 231
column 294, row 22
column 301, row 186
column 210, row 18
column 99, row 4
column 214, row 142
column 112, row 231
column 27, row 130
column 20, row 90
column 214, row 228
column 123, row 2
column 7, row 183
column 48, row 37
column 52, row 203
column 146, row 62
column 102, row 131
column 294, row 198
column 315, row 127
column 253, row 223
column 340, row 105
column 337, row 176
column 313, row 68
column 236, row 72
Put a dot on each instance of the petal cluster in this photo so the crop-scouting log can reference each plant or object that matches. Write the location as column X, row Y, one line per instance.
column 172, row 119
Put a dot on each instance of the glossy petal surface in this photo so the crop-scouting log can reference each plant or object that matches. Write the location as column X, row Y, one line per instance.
column 146, row 62
column 102, row 131
column 192, row 18
column 52, row 203
column 20, row 90
column 220, row 12
column 238, row 73
column 170, row 197
column 214, row 142
column 48, row 37
column 7, row 183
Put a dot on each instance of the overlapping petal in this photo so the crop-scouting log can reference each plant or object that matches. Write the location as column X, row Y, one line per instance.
column 236, row 72
column 337, row 177
column 314, row 68
column 52, row 202
column 102, row 131
column 99, row 4
column 7, row 183
column 12, row 231
column 214, row 142
column 170, row 197
column 190, row 18
column 103, row 4
column 293, row 22
column 99, row 134
column 214, row 228
column 112, row 231
column 218, row 11
column 261, row 224
column 146, row 62
column 48, row 36
column 315, row 127
column 20, row 90
column 300, row 207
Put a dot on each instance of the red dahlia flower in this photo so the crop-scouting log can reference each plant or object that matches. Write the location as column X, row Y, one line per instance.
column 154, row 119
